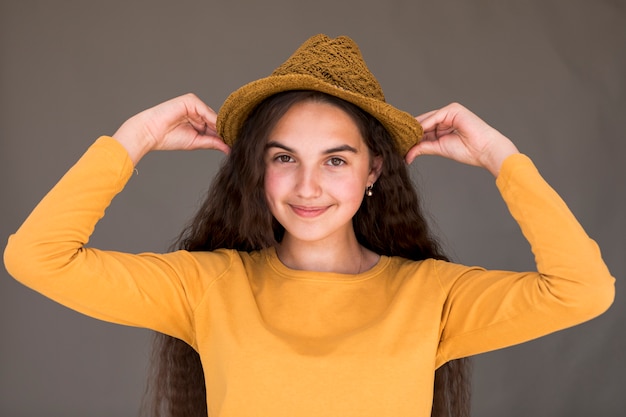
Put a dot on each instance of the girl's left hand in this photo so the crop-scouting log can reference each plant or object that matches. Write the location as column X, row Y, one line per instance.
column 456, row 133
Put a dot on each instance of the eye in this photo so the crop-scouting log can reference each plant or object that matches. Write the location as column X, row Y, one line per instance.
column 335, row 161
column 283, row 159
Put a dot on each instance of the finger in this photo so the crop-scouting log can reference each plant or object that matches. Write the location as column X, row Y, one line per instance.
column 437, row 120
column 208, row 142
column 425, row 147
column 218, row 144
column 206, row 113
column 424, row 116
column 443, row 118
column 197, row 109
column 202, row 126
column 429, row 148
column 411, row 155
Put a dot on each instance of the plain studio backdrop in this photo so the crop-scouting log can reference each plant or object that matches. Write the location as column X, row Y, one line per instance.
column 549, row 74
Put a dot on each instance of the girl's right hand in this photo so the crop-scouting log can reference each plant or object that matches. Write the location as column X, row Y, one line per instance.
column 182, row 123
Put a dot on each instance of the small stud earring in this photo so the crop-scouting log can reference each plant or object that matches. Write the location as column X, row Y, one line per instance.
column 368, row 191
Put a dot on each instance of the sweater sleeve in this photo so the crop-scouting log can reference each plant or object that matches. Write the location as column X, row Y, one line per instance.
column 48, row 253
column 487, row 310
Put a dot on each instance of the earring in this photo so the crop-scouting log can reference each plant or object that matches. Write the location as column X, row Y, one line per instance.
column 368, row 191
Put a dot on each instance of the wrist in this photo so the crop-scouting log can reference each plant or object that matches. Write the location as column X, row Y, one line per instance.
column 496, row 158
column 133, row 139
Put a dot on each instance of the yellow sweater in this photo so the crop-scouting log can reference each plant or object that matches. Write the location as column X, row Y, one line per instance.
column 279, row 342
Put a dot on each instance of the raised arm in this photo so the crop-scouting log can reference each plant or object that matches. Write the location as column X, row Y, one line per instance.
column 50, row 254
column 486, row 310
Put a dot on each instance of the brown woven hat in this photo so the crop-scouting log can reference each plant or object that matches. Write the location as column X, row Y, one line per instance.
column 332, row 66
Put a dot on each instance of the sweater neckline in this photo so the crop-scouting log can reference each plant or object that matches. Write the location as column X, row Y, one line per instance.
column 297, row 274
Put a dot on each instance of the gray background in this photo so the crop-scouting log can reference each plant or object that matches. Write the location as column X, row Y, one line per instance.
column 549, row 74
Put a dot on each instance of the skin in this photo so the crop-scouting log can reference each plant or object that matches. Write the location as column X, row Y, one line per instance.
column 183, row 123
column 456, row 133
column 318, row 167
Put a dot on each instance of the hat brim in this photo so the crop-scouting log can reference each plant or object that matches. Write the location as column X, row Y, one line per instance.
column 403, row 127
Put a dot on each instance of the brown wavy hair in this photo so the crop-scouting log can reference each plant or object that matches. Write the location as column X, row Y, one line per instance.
column 235, row 215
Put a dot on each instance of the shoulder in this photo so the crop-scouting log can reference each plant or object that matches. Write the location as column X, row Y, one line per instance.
column 211, row 263
column 422, row 271
column 222, row 263
column 437, row 272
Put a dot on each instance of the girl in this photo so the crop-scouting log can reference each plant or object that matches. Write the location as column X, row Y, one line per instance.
column 308, row 283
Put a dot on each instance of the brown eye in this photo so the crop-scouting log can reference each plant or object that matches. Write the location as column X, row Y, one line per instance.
column 336, row 162
column 284, row 158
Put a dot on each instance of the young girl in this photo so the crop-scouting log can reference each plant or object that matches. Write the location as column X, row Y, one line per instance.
column 308, row 283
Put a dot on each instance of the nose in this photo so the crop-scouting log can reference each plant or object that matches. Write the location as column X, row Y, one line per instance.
column 308, row 183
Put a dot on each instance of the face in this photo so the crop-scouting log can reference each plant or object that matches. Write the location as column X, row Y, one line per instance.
column 317, row 169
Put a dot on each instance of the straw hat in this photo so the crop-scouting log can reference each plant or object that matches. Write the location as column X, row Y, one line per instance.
column 332, row 66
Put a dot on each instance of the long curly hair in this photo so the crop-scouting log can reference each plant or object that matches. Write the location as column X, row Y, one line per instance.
column 235, row 215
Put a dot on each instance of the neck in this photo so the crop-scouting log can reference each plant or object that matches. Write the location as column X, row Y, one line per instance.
column 347, row 257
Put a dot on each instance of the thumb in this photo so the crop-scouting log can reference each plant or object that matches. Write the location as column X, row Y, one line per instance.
column 424, row 147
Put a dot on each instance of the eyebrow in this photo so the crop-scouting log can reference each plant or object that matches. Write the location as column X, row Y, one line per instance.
column 342, row 148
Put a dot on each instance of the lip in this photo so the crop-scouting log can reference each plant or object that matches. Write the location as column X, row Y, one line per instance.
column 308, row 212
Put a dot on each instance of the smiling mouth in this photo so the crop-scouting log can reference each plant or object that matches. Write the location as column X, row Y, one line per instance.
column 308, row 212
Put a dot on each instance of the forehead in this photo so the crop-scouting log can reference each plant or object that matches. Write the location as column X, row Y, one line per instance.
column 311, row 122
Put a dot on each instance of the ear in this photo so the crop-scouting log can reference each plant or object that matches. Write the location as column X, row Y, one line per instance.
column 376, row 167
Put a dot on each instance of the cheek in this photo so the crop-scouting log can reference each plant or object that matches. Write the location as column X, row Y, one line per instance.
column 349, row 189
column 275, row 185
column 348, row 185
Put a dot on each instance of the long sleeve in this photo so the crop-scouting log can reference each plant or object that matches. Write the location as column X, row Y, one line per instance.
column 487, row 310
column 49, row 254
column 257, row 323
